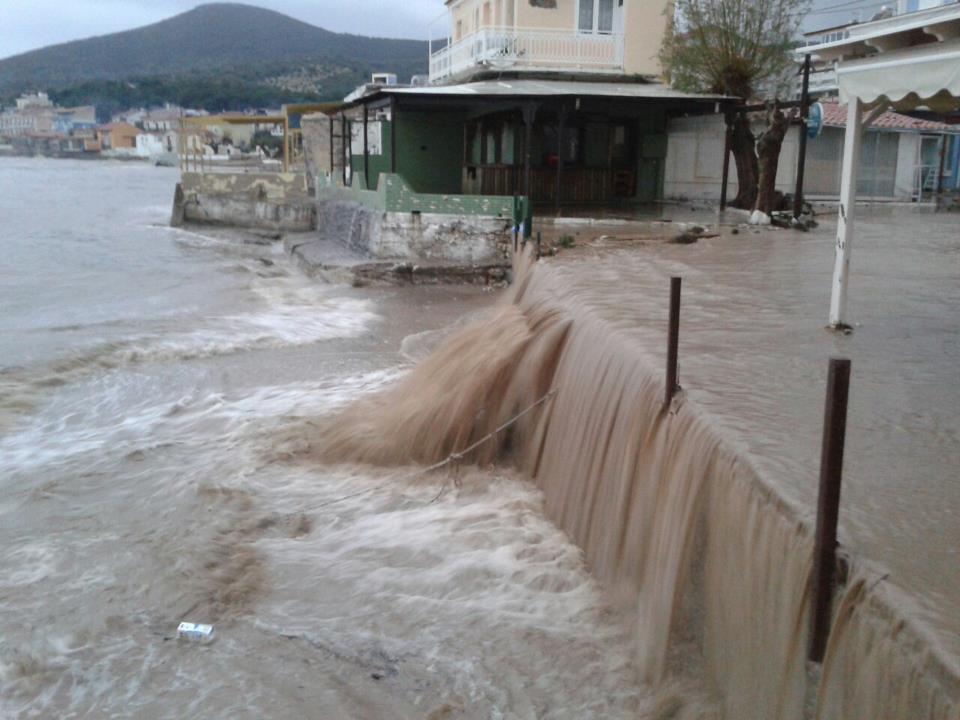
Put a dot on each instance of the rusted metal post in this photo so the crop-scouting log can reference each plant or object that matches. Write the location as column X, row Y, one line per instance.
column 802, row 151
column 828, row 506
column 728, row 140
column 673, row 339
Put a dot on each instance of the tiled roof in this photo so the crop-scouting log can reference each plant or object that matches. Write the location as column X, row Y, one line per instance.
column 835, row 115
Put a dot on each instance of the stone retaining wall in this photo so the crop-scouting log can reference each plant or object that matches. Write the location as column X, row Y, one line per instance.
column 393, row 222
column 416, row 237
column 267, row 201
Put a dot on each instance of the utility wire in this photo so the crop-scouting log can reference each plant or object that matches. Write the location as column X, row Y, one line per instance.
column 454, row 457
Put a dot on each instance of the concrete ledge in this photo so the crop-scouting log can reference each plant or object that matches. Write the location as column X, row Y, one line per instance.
column 335, row 262
column 266, row 201
column 420, row 238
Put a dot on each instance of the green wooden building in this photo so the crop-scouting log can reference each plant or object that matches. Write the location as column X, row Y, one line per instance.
column 563, row 144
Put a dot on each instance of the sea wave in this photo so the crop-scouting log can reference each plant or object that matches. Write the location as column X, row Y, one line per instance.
column 289, row 314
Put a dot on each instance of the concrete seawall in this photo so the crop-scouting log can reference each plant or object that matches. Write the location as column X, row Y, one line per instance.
column 390, row 235
column 361, row 244
column 264, row 201
column 419, row 237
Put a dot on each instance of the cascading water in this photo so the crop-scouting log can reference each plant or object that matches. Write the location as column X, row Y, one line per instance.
column 671, row 518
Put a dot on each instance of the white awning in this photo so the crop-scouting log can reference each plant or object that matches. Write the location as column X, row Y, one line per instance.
column 925, row 75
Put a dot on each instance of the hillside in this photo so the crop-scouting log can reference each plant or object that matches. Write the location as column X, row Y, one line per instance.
column 210, row 40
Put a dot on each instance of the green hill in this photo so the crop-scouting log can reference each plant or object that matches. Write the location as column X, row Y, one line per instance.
column 228, row 47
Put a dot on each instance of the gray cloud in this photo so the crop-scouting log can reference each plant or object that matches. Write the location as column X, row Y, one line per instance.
column 29, row 24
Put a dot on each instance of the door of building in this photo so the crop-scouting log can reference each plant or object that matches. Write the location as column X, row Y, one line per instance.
column 929, row 166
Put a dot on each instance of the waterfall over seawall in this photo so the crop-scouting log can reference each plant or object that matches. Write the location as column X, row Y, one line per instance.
column 671, row 518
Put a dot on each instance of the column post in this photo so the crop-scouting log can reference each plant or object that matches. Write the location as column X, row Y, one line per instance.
column 802, row 152
column 845, row 214
column 366, row 150
column 561, row 126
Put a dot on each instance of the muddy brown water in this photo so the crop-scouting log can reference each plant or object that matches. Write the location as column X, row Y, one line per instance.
column 699, row 518
column 159, row 395
column 182, row 417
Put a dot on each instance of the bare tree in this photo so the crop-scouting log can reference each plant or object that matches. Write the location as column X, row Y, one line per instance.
column 739, row 48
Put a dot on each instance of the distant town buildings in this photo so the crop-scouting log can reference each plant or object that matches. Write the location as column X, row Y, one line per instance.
column 37, row 126
column 32, row 101
column 120, row 137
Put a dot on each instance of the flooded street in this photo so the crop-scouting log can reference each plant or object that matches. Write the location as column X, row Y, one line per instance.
column 157, row 395
column 754, row 352
column 186, row 422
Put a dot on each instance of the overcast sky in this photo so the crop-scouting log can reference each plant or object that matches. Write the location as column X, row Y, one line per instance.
column 29, row 24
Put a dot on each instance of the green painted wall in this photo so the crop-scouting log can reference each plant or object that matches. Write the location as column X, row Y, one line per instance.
column 430, row 150
column 394, row 194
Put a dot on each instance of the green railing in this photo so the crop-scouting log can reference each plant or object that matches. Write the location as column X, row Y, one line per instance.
column 393, row 194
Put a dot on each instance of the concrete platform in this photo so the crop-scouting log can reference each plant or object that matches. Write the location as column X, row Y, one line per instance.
column 337, row 263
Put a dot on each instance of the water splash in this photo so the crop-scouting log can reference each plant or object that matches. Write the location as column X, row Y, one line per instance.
column 670, row 516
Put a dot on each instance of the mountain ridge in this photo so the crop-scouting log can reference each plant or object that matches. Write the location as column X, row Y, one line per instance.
column 210, row 38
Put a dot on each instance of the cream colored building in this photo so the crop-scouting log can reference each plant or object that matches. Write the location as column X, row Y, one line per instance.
column 585, row 37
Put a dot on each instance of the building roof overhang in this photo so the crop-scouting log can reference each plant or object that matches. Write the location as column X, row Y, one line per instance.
column 901, row 31
column 526, row 90
column 908, row 61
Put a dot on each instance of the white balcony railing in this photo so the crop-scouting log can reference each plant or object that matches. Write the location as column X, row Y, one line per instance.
column 529, row 49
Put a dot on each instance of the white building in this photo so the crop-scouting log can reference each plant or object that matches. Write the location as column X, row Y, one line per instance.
column 35, row 100
column 599, row 37
column 899, row 159
column 156, row 144
column 162, row 120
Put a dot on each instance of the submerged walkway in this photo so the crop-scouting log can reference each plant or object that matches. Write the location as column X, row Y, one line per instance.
column 754, row 351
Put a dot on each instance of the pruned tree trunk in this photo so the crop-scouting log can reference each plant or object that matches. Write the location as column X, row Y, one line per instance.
column 768, row 149
column 743, row 146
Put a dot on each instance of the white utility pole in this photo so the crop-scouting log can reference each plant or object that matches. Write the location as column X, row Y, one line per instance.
column 848, row 197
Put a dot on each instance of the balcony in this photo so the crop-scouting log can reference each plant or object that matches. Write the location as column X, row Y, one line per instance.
column 506, row 49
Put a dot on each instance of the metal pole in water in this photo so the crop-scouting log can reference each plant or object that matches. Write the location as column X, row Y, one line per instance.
column 828, row 506
column 673, row 339
column 802, row 152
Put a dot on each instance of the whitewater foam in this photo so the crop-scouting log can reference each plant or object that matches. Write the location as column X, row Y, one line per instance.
column 669, row 514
